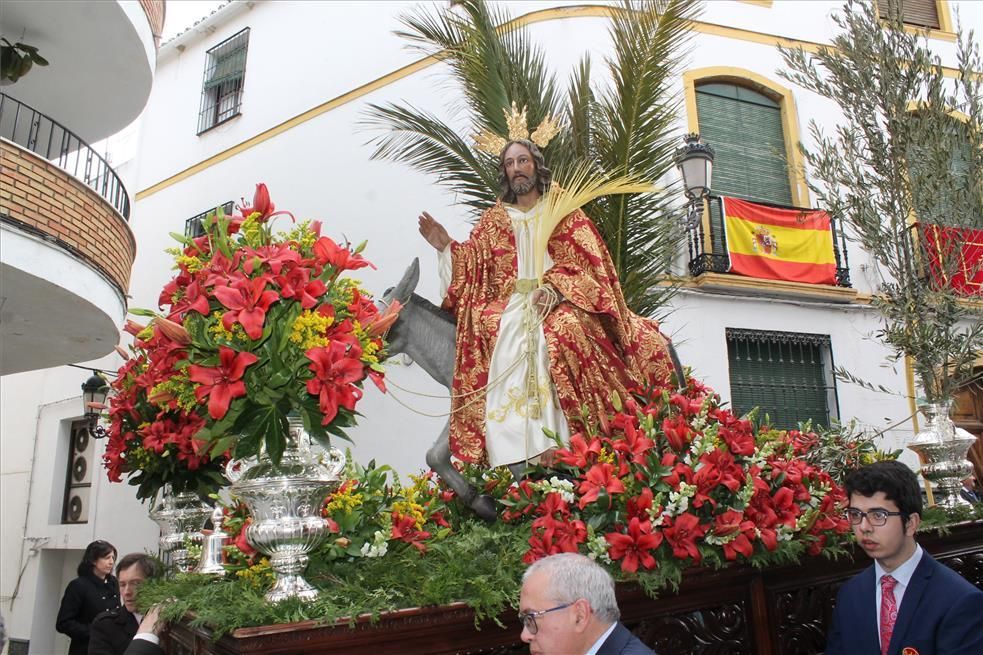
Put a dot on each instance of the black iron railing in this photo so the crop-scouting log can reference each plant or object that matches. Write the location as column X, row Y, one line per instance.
column 47, row 138
column 708, row 252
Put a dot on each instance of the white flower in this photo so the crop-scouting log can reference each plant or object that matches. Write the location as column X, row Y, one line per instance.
column 556, row 485
column 378, row 547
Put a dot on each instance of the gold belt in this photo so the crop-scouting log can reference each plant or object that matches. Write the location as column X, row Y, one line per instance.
column 527, row 285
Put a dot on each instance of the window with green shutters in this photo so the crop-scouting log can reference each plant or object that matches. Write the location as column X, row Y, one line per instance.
column 225, row 73
column 788, row 375
column 922, row 13
column 745, row 129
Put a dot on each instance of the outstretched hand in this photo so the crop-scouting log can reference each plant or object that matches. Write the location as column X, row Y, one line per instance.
column 434, row 232
column 151, row 621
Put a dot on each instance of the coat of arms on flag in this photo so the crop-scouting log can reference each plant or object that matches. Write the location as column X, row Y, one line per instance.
column 779, row 244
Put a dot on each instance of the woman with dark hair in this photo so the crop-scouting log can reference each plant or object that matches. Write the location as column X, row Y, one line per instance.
column 93, row 591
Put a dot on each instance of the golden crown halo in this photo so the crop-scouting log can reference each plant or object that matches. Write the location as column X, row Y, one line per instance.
column 487, row 141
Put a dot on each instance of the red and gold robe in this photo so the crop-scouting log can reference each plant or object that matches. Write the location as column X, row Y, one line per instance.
column 596, row 346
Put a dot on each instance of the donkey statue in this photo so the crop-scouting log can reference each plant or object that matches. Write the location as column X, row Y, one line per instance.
column 427, row 334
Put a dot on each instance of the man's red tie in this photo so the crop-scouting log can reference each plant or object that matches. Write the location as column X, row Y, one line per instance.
column 889, row 611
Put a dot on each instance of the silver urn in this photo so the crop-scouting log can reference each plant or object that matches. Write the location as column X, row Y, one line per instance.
column 942, row 448
column 285, row 503
column 181, row 517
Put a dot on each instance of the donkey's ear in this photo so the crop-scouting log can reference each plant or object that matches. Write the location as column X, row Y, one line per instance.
column 407, row 285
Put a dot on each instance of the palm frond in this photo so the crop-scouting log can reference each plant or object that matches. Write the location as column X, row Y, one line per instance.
column 581, row 186
column 423, row 141
column 634, row 134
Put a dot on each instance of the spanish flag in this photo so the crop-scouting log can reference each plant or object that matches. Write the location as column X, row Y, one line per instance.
column 779, row 244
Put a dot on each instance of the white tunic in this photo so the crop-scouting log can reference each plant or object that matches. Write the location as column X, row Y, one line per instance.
column 511, row 434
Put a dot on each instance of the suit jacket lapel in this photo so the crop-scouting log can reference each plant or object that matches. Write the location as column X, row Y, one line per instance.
column 868, row 639
column 912, row 597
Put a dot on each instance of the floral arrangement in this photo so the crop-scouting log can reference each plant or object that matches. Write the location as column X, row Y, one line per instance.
column 370, row 514
column 253, row 326
column 680, row 481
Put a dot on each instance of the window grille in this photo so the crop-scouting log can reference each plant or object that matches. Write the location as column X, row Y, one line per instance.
column 195, row 226
column 225, row 73
column 788, row 375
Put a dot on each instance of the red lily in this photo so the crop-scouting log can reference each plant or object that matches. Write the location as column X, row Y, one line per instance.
column 222, row 383
column 261, row 204
column 404, row 529
column 600, row 476
column 682, row 533
column 579, row 454
column 633, row 548
column 635, row 443
column 274, row 256
column 296, row 283
column 336, row 371
column 678, row 433
column 247, row 301
column 341, row 259
column 730, row 523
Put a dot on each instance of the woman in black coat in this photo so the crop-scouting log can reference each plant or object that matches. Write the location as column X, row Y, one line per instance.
column 93, row 591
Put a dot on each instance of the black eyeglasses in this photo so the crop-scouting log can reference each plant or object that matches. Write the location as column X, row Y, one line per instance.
column 528, row 619
column 876, row 517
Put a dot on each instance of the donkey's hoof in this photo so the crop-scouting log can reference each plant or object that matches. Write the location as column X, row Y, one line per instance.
column 484, row 506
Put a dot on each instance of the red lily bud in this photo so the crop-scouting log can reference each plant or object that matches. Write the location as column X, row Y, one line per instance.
column 133, row 327
column 173, row 331
column 384, row 321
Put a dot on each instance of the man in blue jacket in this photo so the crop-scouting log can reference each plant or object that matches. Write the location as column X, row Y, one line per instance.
column 906, row 603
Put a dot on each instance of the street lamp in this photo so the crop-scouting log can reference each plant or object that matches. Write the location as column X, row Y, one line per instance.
column 695, row 162
column 94, row 393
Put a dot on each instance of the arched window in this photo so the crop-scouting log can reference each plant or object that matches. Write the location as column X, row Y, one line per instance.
column 746, row 130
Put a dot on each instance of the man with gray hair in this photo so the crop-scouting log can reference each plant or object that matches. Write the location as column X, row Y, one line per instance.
column 567, row 607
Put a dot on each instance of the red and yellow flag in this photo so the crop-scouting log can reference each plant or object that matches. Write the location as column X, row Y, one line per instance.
column 965, row 274
column 779, row 244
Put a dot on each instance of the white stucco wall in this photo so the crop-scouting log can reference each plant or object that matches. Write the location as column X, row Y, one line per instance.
column 303, row 54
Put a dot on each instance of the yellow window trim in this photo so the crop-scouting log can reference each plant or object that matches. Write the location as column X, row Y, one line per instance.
column 542, row 15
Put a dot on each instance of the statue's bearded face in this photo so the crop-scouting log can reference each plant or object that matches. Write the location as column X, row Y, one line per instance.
column 520, row 167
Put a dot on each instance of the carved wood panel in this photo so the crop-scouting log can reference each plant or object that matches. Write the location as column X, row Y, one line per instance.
column 721, row 630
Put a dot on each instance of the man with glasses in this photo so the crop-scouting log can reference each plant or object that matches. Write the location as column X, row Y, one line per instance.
column 567, row 607
column 906, row 603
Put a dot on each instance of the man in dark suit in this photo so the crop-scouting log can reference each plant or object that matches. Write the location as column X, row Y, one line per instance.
column 112, row 631
column 906, row 603
column 567, row 607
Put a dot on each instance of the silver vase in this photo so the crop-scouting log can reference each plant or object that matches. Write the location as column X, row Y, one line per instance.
column 181, row 517
column 285, row 503
column 942, row 448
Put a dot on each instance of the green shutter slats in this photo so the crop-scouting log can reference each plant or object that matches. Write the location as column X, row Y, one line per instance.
column 923, row 13
column 745, row 129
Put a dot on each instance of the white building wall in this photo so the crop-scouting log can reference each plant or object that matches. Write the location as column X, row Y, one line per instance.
column 302, row 55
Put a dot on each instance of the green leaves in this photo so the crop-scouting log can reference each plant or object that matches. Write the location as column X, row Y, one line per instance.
column 900, row 155
column 17, row 59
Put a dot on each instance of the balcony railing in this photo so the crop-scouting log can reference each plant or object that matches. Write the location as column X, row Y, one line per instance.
column 47, row 138
column 708, row 252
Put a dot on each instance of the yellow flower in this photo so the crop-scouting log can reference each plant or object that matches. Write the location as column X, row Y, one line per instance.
column 193, row 264
column 218, row 331
column 309, row 329
column 303, row 235
column 344, row 501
